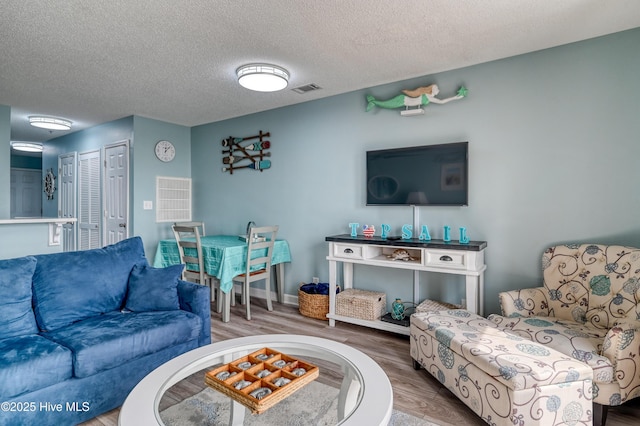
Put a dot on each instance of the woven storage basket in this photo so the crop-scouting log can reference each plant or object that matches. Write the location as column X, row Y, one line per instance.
column 434, row 306
column 361, row 304
column 313, row 305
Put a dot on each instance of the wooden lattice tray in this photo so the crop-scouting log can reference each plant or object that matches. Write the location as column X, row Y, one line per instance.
column 264, row 368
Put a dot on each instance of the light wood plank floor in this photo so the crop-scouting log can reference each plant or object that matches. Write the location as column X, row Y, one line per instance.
column 415, row 392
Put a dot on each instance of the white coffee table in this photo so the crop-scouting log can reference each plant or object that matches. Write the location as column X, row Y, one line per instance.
column 365, row 398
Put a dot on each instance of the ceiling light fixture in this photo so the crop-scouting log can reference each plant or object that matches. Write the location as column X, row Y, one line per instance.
column 49, row 123
column 27, row 146
column 263, row 77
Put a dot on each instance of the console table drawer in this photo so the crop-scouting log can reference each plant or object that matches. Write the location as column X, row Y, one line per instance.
column 446, row 258
column 348, row 251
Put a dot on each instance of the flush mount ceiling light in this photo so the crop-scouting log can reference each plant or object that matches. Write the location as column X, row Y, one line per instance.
column 49, row 123
column 262, row 77
column 27, row 146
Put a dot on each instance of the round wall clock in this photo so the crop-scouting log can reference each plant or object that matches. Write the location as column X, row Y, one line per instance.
column 165, row 151
column 49, row 184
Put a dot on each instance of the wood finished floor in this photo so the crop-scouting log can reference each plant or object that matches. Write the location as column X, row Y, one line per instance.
column 415, row 392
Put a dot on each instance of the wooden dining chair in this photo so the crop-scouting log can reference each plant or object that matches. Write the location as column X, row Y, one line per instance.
column 199, row 225
column 188, row 237
column 260, row 238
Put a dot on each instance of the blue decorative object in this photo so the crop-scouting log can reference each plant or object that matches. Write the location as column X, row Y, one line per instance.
column 384, row 230
column 424, row 234
column 447, row 234
column 407, row 232
column 317, row 288
column 463, row 235
column 397, row 310
column 354, row 229
column 153, row 289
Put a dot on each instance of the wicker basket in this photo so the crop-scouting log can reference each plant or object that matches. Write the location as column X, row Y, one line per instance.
column 428, row 305
column 361, row 304
column 313, row 305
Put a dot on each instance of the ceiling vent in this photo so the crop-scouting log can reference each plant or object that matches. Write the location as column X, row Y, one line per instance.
column 306, row 88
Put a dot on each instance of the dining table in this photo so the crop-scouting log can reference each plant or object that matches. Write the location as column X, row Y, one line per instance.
column 225, row 257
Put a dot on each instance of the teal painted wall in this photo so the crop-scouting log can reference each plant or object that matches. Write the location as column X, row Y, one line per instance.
column 26, row 162
column 145, row 168
column 553, row 159
column 5, row 160
column 25, row 239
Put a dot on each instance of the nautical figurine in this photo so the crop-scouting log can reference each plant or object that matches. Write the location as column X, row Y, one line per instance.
column 400, row 254
column 412, row 100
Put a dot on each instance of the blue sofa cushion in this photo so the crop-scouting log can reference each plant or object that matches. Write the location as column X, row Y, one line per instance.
column 115, row 338
column 153, row 289
column 73, row 286
column 31, row 362
column 16, row 315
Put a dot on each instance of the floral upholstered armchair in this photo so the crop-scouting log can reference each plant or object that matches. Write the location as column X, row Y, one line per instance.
column 588, row 308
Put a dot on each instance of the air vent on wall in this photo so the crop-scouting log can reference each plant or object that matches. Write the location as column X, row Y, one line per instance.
column 173, row 199
column 306, row 88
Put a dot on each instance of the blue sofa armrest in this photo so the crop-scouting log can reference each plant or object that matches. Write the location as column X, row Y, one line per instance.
column 196, row 298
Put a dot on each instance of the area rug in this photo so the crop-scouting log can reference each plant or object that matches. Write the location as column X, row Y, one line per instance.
column 306, row 407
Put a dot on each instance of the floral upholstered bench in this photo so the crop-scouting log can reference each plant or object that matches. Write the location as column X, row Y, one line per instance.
column 504, row 378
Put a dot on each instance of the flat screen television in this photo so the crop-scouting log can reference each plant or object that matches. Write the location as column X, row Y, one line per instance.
column 430, row 175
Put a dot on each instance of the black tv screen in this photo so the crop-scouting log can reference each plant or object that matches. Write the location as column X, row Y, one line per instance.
column 430, row 175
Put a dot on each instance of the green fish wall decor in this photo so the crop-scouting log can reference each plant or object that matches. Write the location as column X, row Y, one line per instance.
column 413, row 100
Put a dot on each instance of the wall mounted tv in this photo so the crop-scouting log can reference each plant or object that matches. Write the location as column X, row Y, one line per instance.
column 430, row 175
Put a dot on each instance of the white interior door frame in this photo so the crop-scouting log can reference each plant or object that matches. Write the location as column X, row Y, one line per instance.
column 67, row 197
column 116, row 192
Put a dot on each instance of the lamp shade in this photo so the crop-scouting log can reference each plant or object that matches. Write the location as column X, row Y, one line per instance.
column 262, row 77
column 49, row 123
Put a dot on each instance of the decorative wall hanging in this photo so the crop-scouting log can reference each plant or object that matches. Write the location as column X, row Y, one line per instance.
column 49, row 184
column 413, row 100
column 236, row 153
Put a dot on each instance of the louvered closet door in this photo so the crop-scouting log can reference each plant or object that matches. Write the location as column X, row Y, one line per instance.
column 89, row 196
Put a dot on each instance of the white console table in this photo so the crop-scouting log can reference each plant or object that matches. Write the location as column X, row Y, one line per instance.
column 430, row 256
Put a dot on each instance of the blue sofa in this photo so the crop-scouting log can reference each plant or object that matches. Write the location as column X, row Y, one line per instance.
column 78, row 330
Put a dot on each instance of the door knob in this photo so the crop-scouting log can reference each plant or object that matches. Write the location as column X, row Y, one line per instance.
column 122, row 225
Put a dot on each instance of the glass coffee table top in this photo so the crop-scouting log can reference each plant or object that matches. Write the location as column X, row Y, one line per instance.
column 351, row 388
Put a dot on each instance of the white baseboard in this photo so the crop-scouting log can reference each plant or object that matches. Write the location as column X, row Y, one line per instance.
column 261, row 293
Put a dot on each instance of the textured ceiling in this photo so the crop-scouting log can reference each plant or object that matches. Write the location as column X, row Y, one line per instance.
column 175, row 60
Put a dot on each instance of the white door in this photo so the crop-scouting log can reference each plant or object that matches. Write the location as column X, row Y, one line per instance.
column 67, row 198
column 25, row 193
column 116, row 192
column 89, row 196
